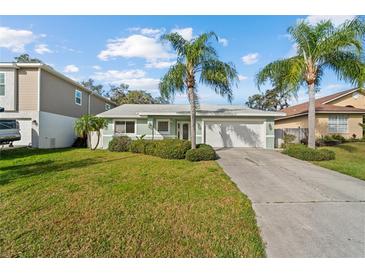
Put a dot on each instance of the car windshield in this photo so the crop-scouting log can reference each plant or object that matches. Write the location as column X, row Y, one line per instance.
column 7, row 124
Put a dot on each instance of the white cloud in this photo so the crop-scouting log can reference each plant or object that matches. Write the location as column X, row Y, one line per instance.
column 293, row 50
column 42, row 48
column 250, row 58
column 15, row 39
column 160, row 64
column 151, row 32
column 186, row 33
column 134, row 78
column 333, row 87
column 242, row 77
column 96, row 67
column 335, row 19
column 136, row 45
column 71, row 69
column 223, row 41
column 116, row 75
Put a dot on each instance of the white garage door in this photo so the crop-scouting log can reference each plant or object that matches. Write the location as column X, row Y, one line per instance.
column 235, row 134
column 25, row 127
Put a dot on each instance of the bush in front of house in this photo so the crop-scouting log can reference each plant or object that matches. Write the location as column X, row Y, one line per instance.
column 330, row 140
column 302, row 152
column 120, row 144
column 138, row 146
column 203, row 152
column 287, row 140
column 167, row 148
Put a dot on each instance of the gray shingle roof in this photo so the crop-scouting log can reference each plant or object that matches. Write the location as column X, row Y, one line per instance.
column 143, row 110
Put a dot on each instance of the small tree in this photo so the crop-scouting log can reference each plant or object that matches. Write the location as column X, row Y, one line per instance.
column 87, row 124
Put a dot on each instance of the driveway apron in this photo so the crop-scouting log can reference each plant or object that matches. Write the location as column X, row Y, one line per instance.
column 302, row 210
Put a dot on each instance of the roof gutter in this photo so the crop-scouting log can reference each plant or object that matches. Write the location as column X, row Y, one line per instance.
column 321, row 112
column 211, row 114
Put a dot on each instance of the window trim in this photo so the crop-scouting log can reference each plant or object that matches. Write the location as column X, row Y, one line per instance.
column 4, row 84
column 337, row 125
column 125, row 120
column 168, row 126
column 76, row 91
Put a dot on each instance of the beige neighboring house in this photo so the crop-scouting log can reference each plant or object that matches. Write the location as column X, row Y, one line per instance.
column 339, row 113
column 45, row 103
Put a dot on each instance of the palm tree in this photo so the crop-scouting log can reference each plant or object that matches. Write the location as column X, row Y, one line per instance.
column 319, row 47
column 97, row 124
column 83, row 127
column 196, row 59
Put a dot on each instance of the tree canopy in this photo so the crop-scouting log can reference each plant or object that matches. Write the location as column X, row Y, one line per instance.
column 271, row 100
column 25, row 58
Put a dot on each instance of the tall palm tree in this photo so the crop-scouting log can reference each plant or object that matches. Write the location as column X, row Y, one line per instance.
column 196, row 60
column 319, row 47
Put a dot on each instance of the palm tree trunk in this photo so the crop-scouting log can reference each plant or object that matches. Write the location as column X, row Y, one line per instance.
column 311, row 117
column 97, row 143
column 192, row 118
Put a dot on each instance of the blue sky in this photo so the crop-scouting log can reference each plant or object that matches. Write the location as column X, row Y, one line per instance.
column 115, row 49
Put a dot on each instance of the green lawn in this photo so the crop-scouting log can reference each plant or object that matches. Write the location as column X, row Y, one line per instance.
column 81, row 203
column 350, row 159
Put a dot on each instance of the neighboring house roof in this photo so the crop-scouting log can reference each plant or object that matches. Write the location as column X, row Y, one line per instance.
column 322, row 106
column 55, row 73
column 143, row 110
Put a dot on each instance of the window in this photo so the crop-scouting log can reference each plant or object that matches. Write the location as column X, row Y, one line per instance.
column 337, row 124
column 78, row 97
column 163, row 126
column 107, row 107
column 123, row 127
column 2, row 83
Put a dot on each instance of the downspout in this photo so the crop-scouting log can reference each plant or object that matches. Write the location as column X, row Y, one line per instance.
column 88, row 105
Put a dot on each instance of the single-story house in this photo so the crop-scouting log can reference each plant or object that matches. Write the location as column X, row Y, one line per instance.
column 339, row 113
column 217, row 125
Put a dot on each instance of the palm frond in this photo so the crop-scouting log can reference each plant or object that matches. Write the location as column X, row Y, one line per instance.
column 346, row 65
column 178, row 43
column 173, row 81
column 219, row 76
column 285, row 74
column 344, row 37
column 200, row 50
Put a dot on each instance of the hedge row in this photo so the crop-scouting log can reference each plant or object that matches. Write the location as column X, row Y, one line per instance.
column 302, row 152
column 167, row 148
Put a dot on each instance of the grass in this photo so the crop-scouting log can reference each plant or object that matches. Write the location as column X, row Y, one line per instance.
column 350, row 159
column 81, row 203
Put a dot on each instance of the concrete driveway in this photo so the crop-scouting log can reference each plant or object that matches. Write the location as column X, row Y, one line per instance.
column 302, row 210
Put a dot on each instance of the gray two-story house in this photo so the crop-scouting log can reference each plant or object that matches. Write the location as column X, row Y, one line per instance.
column 45, row 103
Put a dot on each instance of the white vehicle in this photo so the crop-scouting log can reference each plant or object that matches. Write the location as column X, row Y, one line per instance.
column 9, row 132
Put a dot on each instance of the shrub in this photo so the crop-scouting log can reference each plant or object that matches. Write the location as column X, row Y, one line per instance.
column 168, row 148
column 309, row 154
column 203, row 152
column 339, row 138
column 288, row 139
column 120, row 144
column 80, row 142
column 138, row 146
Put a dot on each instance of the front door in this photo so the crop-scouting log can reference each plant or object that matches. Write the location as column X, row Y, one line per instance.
column 183, row 130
